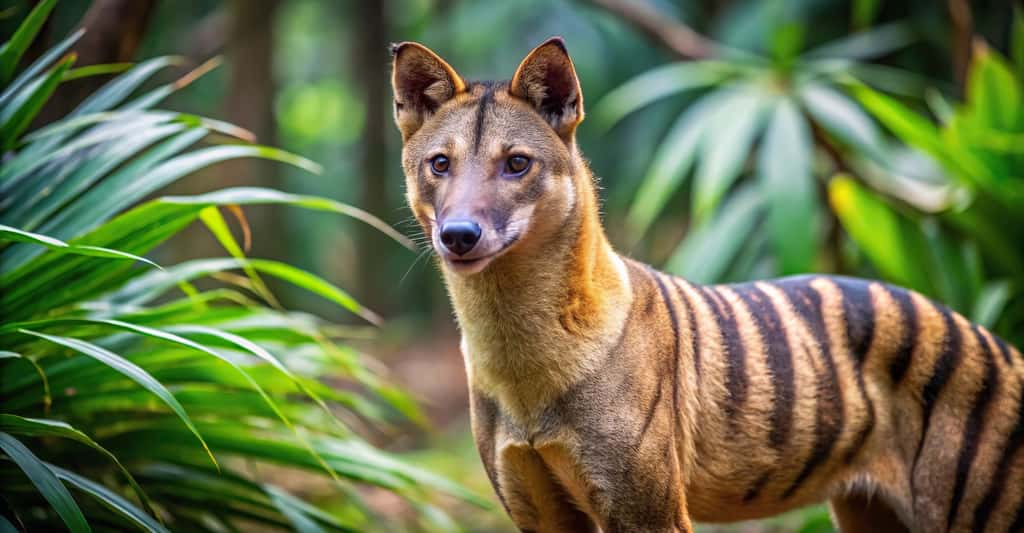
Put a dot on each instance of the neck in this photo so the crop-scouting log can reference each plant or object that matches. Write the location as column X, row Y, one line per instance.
column 540, row 318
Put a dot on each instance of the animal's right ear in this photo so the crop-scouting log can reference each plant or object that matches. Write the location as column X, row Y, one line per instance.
column 421, row 81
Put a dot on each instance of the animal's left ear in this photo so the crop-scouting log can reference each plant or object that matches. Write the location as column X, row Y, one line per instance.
column 547, row 80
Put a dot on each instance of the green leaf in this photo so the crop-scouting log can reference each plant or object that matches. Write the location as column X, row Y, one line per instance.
column 213, row 220
column 789, row 190
column 12, row 50
column 293, row 509
column 893, row 244
column 842, row 118
column 708, row 250
column 47, row 398
column 990, row 303
column 316, row 285
column 28, row 160
column 654, row 85
column 863, row 12
column 109, row 499
column 119, row 88
column 672, row 163
column 46, row 482
column 34, row 204
column 132, row 371
column 24, row 107
column 150, row 286
column 726, row 146
column 101, row 203
column 256, row 196
column 918, row 131
column 6, row 526
column 867, row 44
column 8, row 233
column 38, row 427
column 37, row 66
column 96, row 70
column 993, row 94
column 1017, row 41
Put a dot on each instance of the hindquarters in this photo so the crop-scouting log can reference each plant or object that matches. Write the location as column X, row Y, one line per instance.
column 955, row 456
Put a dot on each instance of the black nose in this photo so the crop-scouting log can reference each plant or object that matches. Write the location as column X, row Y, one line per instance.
column 460, row 236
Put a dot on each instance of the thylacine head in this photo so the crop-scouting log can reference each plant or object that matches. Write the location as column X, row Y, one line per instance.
column 492, row 168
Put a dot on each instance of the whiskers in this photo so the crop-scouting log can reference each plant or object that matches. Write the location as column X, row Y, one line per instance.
column 426, row 251
column 422, row 241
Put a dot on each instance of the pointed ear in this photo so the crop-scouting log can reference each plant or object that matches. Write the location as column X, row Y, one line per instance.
column 547, row 80
column 421, row 81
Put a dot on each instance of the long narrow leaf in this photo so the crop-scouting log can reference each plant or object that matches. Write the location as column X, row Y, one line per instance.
column 46, row 482
column 132, row 371
column 727, row 145
column 111, row 500
column 671, row 165
column 24, row 107
column 38, row 65
column 37, row 427
column 8, row 233
column 12, row 50
column 784, row 172
column 654, row 85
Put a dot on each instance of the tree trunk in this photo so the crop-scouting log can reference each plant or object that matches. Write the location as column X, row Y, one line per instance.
column 113, row 32
column 249, row 103
column 376, row 286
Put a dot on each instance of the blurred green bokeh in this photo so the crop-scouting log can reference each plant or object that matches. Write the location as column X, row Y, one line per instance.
column 877, row 139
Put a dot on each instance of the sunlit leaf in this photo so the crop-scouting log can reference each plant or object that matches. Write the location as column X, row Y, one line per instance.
column 672, row 163
column 789, row 189
column 12, row 50
column 993, row 93
column 895, row 246
column 708, row 250
column 8, row 233
column 131, row 370
column 991, row 302
column 841, row 117
column 726, row 145
column 654, row 85
column 867, row 44
column 25, row 105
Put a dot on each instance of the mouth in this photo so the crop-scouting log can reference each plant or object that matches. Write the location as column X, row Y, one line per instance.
column 469, row 266
column 473, row 265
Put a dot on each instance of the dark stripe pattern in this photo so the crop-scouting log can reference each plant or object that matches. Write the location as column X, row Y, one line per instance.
column 481, row 114
column 674, row 320
column 973, row 427
column 780, row 360
column 945, row 364
column 691, row 318
column 1002, row 471
column 1004, row 350
column 829, row 414
column 735, row 355
column 755, row 489
column 859, row 315
column 905, row 351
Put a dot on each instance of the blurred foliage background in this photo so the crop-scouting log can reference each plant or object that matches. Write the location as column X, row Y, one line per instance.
column 734, row 139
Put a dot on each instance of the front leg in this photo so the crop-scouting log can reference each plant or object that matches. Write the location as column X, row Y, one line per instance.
column 534, row 499
column 523, row 483
column 637, row 489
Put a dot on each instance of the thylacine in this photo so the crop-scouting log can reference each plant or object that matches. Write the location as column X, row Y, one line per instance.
column 606, row 395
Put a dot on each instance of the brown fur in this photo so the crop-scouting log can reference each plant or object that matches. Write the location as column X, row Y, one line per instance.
column 609, row 396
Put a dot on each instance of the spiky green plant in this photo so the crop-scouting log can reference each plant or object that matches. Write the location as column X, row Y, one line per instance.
column 130, row 398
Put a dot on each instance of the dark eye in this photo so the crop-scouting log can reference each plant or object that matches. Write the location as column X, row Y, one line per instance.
column 517, row 165
column 439, row 164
